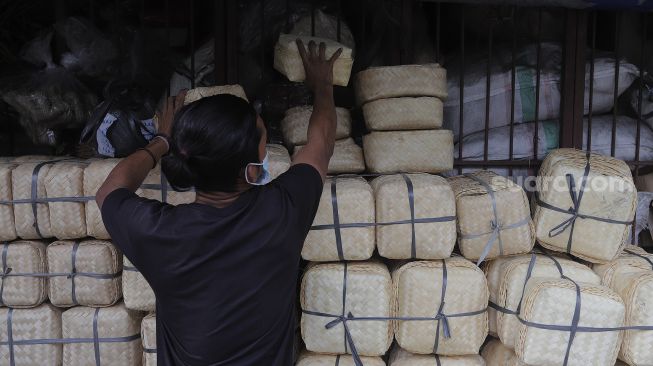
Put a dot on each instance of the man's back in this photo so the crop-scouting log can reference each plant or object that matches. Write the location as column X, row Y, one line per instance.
column 225, row 278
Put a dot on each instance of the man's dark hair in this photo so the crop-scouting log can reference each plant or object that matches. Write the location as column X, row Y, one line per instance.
column 212, row 140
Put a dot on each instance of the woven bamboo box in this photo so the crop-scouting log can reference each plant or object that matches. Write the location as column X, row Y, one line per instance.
column 553, row 301
column 496, row 353
column 148, row 337
column 418, row 288
column 42, row 322
column 432, row 198
column 137, row 291
column 425, row 151
column 23, row 258
column 506, row 278
column 401, row 357
column 112, row 322
column 22, row 180
column 347, row 157
column 279, row 159
column 368, row 294
column 7, row 224
column 88, row 273
column 294, row 125
column 493, row 214
column 401, row 81
column 64, row 180
column 94, row 175
column 355, row 205
column 288, row 61
column 408, row 113
column 315, row 359
column 636, row 289
column 208, row 91
column 631, row 276
column 632, row 259
column 609, row 193
column 156, row 187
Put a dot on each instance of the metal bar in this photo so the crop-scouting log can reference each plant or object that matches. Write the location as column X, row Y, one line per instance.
column 513, row 84
column 573, row 80
column 640, row 96
column 536, row 136
column 437, row 31
column 580, row 64
column 116, row 14
column 192, row 44
column 591, row 91
column 262, row 43
column 488, row 78
column 219, row 36
column 167, row 8
column 313, row 18
column 338, row 16
column 617, row 35
column 91, row 10
column 406, row 47
column 496, row 163
column 233, row 37
column 142, row 14
column 363, row 25
column 462, row 87
column 287, row 16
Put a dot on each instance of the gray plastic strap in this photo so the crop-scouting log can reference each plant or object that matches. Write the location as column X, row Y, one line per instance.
column 440, row 314
column 149, row 350
column 129, row 268
column 96, row 342
column 495, row 223
column 164, row 188
column 650, row 262
column 5, row 272
column 35, row 194
column 73, row 272
column 10, row 337
column 411, row 205
column 337, row 360
column 336, row 220
column 37, row 200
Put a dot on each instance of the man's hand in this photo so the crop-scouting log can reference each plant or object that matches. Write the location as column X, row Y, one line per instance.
column 170, row 108
column 319, row 70
column 322, row 125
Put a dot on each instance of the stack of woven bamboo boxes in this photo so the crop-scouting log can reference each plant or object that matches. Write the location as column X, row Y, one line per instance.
column 402, row 106
column 359, row 295
column 382, row 285
column 62, row 281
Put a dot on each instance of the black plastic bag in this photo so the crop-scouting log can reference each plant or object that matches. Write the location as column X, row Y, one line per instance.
column 121, row 124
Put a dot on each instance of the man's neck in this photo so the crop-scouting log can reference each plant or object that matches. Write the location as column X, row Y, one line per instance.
column 222, row 199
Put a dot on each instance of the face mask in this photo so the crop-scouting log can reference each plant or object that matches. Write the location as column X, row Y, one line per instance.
column 265, row 177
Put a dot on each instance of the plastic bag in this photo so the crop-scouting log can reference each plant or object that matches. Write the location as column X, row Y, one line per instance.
column 49, row 99
column 89, row 53
column 121, row 124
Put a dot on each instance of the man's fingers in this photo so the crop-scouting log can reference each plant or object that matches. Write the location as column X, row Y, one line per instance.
column 311, row 49
column 179, row 100
column 335, row 56
column 302, row 51
column 322, row 51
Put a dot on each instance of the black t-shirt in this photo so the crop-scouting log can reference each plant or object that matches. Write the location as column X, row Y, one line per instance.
column 224, row 278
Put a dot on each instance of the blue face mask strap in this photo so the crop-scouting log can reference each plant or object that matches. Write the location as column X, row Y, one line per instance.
column 265, row 177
